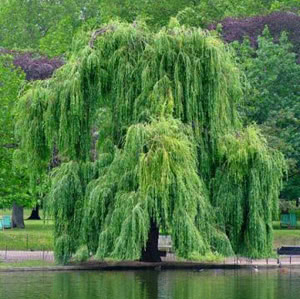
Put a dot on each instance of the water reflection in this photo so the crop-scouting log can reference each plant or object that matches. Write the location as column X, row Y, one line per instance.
column 214, row 284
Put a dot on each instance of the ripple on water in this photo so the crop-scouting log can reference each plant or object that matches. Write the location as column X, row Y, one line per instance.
column 207, row 284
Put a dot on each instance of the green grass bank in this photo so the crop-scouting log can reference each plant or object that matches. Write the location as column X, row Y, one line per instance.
column 38, row 235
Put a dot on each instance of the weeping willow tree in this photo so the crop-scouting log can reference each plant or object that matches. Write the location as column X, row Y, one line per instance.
column 147, row 131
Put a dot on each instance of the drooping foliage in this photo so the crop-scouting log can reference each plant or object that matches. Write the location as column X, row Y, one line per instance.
column 273, row 99
column 247, row 173
column 147, row 129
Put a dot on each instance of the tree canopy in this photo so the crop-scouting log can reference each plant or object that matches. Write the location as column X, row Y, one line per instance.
column 13, row 184
column 273, row 99
column 15, row 189
column 147, row 131
column 48, row 25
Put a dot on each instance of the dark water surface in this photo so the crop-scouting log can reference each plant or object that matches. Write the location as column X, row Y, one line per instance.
column 208, row 284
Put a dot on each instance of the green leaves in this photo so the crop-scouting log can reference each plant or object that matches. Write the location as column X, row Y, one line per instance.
column 30, row 24
column 13, row 182
column 246, row 185
column 162, row 109
column 273, row 99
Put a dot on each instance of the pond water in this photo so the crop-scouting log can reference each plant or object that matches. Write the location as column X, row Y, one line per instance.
column 208, row 284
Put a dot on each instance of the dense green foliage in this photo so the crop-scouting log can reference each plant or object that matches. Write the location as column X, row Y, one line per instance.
column 157, row 13
column 13, row 183
column 189, row 12
column 210, row 11
column 273, row 99
column 162, row 109
column 288, row 5
column 48, row 25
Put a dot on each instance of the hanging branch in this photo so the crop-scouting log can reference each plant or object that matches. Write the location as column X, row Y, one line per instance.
column 98, row 32
column 102, row 31
column 170, row 151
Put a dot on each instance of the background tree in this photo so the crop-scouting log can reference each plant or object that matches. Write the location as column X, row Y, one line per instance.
column 40, row 23
column 171, row 151
column 236, row 29
column 285, row 5
column 15, row 190
column 274, row 97
column 156, row 13
column 189, row 12
column 13, row 184
column 203, row 13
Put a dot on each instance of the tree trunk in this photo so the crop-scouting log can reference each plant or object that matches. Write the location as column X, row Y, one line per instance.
column 35, row 213
column 17, row 216
column 151, row 253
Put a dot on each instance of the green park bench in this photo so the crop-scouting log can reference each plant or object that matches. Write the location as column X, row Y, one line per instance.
column 1, row 224
column 6, row 221
column 288, row 220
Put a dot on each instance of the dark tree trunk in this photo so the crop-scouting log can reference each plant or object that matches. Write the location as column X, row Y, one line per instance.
column 297, row 202
column 17, row 216
column 151, row 253
column 35, row 213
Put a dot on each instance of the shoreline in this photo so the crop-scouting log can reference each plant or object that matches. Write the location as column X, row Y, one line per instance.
column 134, row 265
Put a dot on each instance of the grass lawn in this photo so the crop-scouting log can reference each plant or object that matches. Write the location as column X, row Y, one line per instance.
column 286, row 237
column 276, row 225
column 26, row 264
column 37, row 235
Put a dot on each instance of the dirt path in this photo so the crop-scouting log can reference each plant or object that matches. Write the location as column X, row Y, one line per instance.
column 10, row 256
column 13, row 255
